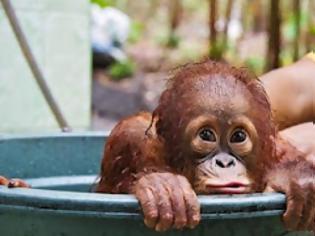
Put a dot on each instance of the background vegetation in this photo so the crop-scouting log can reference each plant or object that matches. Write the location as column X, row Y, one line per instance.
column 260, row 34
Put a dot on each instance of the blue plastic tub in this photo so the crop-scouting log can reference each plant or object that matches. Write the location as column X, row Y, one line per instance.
column 62, row 169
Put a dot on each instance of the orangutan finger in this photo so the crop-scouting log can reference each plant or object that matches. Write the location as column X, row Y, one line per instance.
column 148, row 202
column 17, row 183
column 4, row 181
column 192, row 203
column 295, row 202
column 177, row 201
column 308, row 216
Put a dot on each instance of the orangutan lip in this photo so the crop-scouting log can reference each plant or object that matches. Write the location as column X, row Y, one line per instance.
column 229, row 188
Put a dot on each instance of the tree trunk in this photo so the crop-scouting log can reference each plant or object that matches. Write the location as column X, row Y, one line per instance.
column 273, row 60
column 297, row 23
column 309, row 38
column 213, row 31
column 175, row 9
column 258, row 16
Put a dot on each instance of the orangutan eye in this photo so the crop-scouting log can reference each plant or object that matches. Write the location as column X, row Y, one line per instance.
column 207, row 135
column 238, row 136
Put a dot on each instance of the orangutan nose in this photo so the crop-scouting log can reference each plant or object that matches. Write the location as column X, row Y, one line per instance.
column 225, row 161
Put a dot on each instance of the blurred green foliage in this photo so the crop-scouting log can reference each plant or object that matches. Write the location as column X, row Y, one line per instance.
column 289, row 27
column 108, row 3
column 173, row 41
column 255, row 64
column 136, row 31
column 189, row 52
column 103, row 3
column 216, row 51
column 151, row 24
column 121, row 70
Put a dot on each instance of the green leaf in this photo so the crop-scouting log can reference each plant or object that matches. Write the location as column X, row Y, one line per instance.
column 103, row 3
column 136, row 31
column 120, row 70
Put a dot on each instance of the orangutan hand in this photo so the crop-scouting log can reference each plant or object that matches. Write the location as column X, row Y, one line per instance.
column 13, row 183
column 168, row 201
column 296, row 179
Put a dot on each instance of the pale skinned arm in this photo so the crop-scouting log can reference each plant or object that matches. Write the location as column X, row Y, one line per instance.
column 291, row 91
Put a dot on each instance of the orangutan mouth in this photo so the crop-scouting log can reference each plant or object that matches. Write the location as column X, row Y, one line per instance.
column 228, row 188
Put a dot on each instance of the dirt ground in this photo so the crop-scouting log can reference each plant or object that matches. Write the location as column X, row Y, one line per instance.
column 113, row 101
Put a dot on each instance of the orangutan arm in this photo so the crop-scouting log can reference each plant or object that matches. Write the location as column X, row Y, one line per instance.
column 291, row 91
column 134, row 163
column 129, row 153
column 294, row 176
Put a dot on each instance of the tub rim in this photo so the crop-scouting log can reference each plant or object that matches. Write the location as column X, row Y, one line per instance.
column 49, row 135
column 124, row 205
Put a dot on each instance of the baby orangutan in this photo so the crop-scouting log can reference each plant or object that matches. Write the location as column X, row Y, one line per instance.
column 212, row 133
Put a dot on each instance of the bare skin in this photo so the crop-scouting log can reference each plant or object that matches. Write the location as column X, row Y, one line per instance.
column 291, row 91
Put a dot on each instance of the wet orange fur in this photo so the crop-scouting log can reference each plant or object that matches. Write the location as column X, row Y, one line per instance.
column 129, row 153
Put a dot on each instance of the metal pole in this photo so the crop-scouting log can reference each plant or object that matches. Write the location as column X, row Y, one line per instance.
column 38, row 75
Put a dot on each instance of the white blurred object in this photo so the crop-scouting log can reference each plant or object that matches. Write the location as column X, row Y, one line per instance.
column 110, row 30
column 235, row 29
